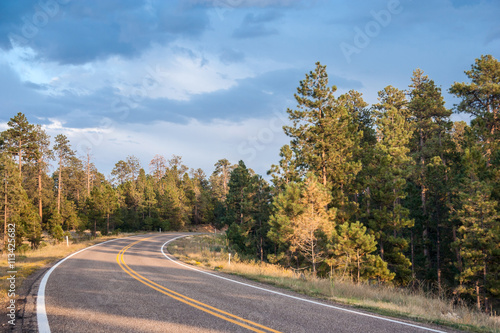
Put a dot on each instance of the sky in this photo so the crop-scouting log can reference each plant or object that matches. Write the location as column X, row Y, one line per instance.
column 212, row 79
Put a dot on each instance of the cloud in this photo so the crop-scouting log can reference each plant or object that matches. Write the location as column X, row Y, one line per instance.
column 254, row 31
column 255, row 25
column 245, row 3
column 200, row 144
column 177, row 73
column 81, row 32
column 171, row 84
column 230, row 56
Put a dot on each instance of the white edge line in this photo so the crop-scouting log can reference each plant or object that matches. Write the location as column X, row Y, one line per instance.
column 290, row 296
column 41, row 313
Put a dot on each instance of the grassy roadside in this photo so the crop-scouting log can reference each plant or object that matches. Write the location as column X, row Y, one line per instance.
column 209, row 252
column 32, row 260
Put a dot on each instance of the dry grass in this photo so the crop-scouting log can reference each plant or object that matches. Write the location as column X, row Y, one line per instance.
column 31, row 260
column 209, row 251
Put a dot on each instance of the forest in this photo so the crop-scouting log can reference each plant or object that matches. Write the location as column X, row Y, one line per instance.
column 395, row 192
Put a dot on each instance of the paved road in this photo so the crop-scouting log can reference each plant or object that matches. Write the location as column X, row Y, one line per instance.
column 129, row 285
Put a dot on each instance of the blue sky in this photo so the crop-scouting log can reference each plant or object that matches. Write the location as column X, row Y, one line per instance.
column 212, row 79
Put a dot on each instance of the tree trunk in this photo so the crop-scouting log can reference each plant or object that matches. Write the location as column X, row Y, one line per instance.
column 478, row 296
column 40, row 193
column 484, row 287
column 412, row 245
column 261, row 248
column 438, row 257
column 425, row 233
column 313, row 261
column 20, row 161
column 457, row 251
column 59, row 186
column 323, row 167
column 88, row 174
column 107, row 224
column 359, row 266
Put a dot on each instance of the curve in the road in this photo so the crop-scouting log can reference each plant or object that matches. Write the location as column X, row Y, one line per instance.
column 250, row 325
column 291, row 296
column 41, row 312
column 216, row 310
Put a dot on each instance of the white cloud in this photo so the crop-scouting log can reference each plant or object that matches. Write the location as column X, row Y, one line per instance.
column 176, row 72
column 255, row 141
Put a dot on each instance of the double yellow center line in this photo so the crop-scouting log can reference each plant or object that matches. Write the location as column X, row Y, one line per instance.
column 252, row 326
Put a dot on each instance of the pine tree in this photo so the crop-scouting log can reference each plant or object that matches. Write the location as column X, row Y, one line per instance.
column 324, row 135
column 301, row 223
column 20, row 140
column 17, row 208
column 352, row 254
column 430, row 146
column 43, row 155
column 309, row 132
column 120, row 173
column 220, row 179
column 315, row 226
column 287, row 171
column 481, row 98
column 157, row 167
column 479, row 242
column 285, row 208
column 385, row 215
column 64, row 152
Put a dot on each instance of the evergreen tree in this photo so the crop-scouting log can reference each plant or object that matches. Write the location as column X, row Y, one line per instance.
column 324, row 135
column 64, row 153
column 17, row 208
column 287, row 171
column 430, row 146
column 157, row 167
column 302, row 222
column 20, row 140
column 479, row 242
column 285, row 209
column 315, row 226
column 481, row 98
column 220, row 179
column 385, row 215
column 352, row 254
column 43, row 155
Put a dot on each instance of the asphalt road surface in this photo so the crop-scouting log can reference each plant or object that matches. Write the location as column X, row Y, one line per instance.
column 133, row 285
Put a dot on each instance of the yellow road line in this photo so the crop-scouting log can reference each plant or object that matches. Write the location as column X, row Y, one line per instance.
column 184, row 299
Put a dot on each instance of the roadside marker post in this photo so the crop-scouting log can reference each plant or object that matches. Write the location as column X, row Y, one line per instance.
column 67, row 241
column 229, row 258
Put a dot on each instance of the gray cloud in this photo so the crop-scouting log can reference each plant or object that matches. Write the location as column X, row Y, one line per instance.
column 83, row 31
column 230, row 56
column 255, row 25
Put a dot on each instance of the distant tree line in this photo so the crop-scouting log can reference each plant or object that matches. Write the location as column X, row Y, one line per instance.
column 394, row 192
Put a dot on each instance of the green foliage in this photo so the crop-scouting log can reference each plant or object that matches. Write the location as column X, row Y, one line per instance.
column 385, row 215
column 393, row 192
column 57, row 233
column 352, row 254
column 246, row 211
